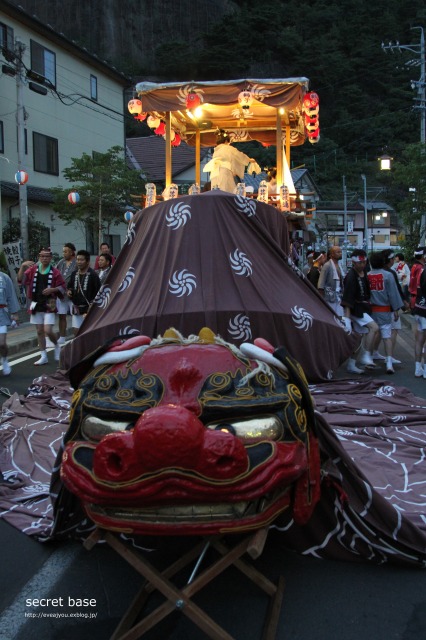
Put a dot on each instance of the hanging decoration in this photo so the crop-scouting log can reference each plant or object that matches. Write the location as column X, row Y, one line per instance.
column 73, row 197
column 173, row 135
column 135, row 106
column 176, row 140
column 193, row 100
column 153, row 122
column 128, row 216
column 161, row 129
column 245, row 99
column 311, row 116
column 21, row 177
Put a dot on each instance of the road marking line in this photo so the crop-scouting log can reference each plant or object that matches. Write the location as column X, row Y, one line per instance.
column 27, row 357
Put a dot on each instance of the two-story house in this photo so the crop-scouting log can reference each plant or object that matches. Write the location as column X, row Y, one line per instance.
column 57, row 101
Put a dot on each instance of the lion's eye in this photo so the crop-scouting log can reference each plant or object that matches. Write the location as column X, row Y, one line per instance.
column 262, row 427
column 94, row 428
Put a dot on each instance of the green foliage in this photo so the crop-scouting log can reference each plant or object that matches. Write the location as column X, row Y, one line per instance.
column 408, row 174
column 38, row 234
column 104, row 184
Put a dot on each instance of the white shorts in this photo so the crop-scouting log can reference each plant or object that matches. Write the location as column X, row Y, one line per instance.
column 421, row 323
column 42, row 318
column 63, row 306
column 385, row 330
column 360, row 324
column 396, row 324
column 77, row 321
column 3, row 328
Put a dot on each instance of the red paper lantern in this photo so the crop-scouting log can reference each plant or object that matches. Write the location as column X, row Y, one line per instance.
column 176, row 141
column 193, row 100
column 73, row 197
column 141, row 117
column 21, row 177
column 135, row 106
column 311, row 100
column 161, row 129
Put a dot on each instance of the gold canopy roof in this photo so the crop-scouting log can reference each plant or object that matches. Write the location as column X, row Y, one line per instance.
column 273, row 100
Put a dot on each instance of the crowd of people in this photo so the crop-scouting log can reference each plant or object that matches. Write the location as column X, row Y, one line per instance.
column 370, row 297
column 67, row 289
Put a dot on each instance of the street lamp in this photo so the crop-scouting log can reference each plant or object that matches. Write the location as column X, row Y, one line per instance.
column 385, row 162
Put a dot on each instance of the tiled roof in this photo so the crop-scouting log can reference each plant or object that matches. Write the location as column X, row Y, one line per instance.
column 149, row 153
column 34, row 194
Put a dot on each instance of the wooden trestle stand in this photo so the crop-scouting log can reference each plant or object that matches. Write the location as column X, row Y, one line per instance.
column 180, row 598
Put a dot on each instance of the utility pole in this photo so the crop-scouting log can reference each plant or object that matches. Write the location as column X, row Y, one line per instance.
column 20, row 121
column 345, row 222
column 365, row 240
column 418, row 49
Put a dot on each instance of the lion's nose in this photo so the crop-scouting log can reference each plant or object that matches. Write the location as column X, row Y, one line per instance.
column 168, row 435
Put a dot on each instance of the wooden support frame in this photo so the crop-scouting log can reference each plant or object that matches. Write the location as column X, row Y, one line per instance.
column 179, row 599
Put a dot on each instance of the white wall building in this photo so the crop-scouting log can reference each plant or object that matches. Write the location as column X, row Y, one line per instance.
column 70, row 102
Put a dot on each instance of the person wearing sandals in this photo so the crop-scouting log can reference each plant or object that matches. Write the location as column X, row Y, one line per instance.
column 66, row 266
column 44, row 285
column 83, row 286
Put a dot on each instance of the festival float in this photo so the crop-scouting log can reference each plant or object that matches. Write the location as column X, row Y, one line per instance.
column 203, row 402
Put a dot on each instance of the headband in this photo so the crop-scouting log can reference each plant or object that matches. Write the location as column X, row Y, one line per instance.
column 358, row 258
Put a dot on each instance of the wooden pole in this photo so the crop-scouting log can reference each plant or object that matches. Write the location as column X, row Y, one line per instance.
column 287, row 145
column 279, row 145
column 168, row 149
column 197, row 157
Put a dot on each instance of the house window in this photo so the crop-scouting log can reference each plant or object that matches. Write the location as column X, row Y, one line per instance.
column 45, row 152
column 6, row 41
column 334, row 220
column 43, row 62
column 1, row 137
column 93, row 87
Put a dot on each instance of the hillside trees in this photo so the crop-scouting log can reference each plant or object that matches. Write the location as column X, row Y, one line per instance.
column 409, row 178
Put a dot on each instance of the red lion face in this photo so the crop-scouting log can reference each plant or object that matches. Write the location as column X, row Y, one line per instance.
column 191, row 435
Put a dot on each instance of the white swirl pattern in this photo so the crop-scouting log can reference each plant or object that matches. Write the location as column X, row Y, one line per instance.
column 240, row 263
column 127, row 280
column 102, row 297
column 178, row 215
column 131, row 233
column 302, row 318
column 127, row 331
column 239, row 327
column 259, row 92
column 182, row 283
column 246, row 205
column 185, row 90
column 387, row 391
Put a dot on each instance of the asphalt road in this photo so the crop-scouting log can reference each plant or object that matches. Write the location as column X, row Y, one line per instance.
column 323, row 599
